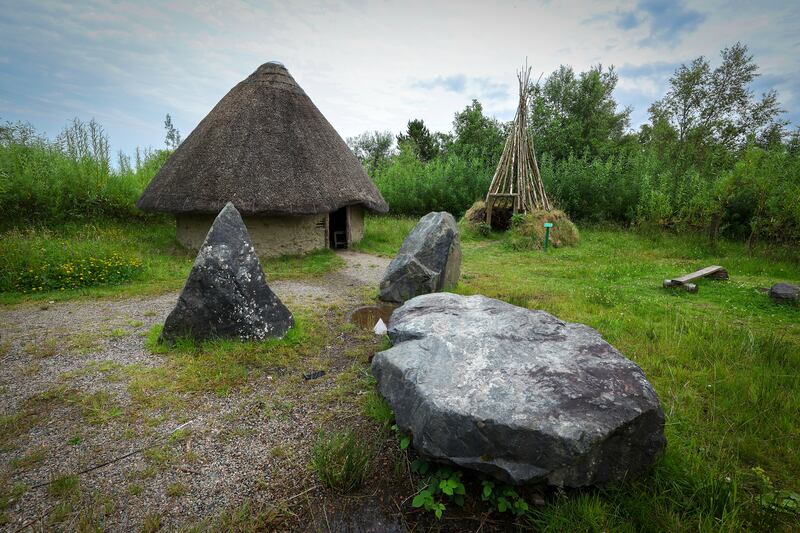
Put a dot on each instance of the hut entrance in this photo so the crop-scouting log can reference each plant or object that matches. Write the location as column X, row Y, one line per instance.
column 337, row 228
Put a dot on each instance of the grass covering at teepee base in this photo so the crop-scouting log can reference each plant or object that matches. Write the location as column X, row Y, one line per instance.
column 527, row 231
column 524, row 231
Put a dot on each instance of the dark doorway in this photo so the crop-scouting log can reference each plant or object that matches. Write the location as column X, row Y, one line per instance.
column 337, row 228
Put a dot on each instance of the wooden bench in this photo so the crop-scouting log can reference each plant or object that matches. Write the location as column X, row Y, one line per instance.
column 685, row 282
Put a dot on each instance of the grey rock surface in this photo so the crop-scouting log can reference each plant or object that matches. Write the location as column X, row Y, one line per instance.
column 428, row 261
column 517, row 394
column 226, row 294
column 784, row 292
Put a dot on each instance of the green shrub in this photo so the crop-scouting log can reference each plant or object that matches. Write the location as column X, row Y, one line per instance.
column 340, row 460
column 447, row 183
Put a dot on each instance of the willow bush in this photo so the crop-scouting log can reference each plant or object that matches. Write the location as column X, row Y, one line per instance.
column 759, row 198
column 70, row 177
column 447, row 183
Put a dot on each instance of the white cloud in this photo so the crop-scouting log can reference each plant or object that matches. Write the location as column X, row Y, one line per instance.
column 367, row 65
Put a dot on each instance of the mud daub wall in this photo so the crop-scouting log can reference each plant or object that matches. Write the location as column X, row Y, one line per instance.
column 271, row 236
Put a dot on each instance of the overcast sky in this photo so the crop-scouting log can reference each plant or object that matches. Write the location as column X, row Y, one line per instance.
column 366, row 65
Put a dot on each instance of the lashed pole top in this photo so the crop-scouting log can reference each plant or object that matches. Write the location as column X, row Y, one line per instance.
column 268, row 149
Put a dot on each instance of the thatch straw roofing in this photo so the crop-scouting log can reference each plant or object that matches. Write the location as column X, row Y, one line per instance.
column 267, row 148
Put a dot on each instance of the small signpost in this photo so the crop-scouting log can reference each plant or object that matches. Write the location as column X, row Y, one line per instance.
column 547, row 226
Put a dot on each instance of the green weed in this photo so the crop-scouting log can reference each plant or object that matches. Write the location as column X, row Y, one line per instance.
column 28, row 460
column 42, row 349
column 152, row 523
column 176, row 489
column 77, row 259
column 384, row 235
column 375, row 407
column 340, row 460
column 63, row 485
column 30, row 413
column 97, row 408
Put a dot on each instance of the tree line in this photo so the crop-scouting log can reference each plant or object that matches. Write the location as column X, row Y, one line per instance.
column 713, row 156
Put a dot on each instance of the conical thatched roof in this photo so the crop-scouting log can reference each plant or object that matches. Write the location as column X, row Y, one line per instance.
column 267, row 148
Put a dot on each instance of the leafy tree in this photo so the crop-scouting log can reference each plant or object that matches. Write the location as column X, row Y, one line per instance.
column 476, row 137
column 709, row 114
column 425, row 144
column 173, row 138
column 578, row 114
column 373, row 149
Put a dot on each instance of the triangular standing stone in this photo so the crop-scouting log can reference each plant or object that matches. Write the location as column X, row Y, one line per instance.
column 226, row 294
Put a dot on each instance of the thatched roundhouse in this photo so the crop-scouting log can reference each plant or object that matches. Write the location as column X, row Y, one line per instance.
column 267, row 148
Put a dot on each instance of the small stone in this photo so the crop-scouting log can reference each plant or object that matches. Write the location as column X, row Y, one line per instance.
column 226, row 294
column 517, row 394
column 428, row 261
column 784, row 292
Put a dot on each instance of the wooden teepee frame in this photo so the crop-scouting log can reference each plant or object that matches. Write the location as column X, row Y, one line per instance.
column 517, row 183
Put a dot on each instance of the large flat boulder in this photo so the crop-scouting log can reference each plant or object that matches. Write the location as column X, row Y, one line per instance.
column 517, row 394
column 226, row 294
column 428, row 261
column 785, row 293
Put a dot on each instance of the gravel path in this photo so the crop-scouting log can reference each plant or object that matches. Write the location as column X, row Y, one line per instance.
column 250, row 444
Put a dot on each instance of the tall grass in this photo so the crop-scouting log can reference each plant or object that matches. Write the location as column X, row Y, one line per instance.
column 70, row 177
column 340, row 460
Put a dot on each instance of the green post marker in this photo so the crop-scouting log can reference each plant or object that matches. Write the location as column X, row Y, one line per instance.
column 547, row 226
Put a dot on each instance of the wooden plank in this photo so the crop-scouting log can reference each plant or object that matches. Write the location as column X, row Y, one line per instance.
column 703, row 272
column 714, row 272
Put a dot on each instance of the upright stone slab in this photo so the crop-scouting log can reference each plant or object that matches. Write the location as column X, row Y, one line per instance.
column 428, row 261
column 226, row 294
column 517, row 394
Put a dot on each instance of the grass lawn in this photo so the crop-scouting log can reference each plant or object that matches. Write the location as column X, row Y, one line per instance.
column 76, row 256
column 725, row 363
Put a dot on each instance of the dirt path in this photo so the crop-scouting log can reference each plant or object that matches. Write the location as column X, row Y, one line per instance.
column 360, row 277
column 31, row 333
column 67, row 403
